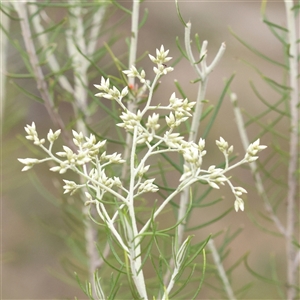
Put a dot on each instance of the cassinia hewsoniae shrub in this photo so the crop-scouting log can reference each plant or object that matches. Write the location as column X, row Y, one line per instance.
column 91, row 152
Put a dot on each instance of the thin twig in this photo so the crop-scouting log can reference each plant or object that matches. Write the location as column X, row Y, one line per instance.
column 293, row 157
column 253, row 166
column 203, row 72
column 44, row 42
column 42, row 87
column 221, row 270
column 3, row 62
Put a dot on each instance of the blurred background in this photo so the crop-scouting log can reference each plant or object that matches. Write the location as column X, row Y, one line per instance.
column 33, row 255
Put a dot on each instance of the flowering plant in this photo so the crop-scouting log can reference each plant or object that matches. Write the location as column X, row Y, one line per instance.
column 90, row 160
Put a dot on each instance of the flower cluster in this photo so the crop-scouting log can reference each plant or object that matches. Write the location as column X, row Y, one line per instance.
column 223, row 146
column 182, row 110
column 133, row 72
column 33, row 135
column 252, row 151
column 90, row 151
column 161, row 59
column 130, row 120
column 110, row 93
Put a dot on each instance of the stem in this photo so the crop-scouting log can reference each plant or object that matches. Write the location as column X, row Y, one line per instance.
column 198, row 111
column 135, row 248
column 134, row 37
column 3, row 62
column 134, row 240
column 195, row 122
column 203, row 72
column 75, row 37
column 293, row 157
column 79, row 92
column 221, row 270
column 42, row 87
column 131, row 80
column 43, row 39
column 253, row 166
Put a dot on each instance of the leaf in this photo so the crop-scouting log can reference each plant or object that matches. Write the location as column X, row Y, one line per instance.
column 28, row 94
column 274, row 25
column 179, row 14
column 217, row 108
column 211, row 221
column 271, row 107
column 255, row 51
column 177, row 84
column 227, row 240
column 114, row 287
column 145, row 17
column 129, row 12
column 183, row 53
column 261, row 277
column 202, row 277
column 263, row 227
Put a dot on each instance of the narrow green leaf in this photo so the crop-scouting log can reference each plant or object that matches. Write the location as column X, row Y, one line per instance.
column 158, row 272
column 80, row 284
column 163, row 173
column 183, row 53
column 271, row 107
column 118, row 269
column 40, row 187
column 202, row 277
column 196, row 80
column 274, row 25
column 206, row 112
column 132, row 286
column 2, row 6
column 197, row 41
column 179, row 221
column 184, row 283
column 274, row 273
column 171, row 162
column 144, row 19
column 182, row 93
column 211, row 221
column 200, row 247
column 203, row 195
column 267, row 128
column 228, row 239
column 28, row 94
column 179, row 14
column 217, row 108
column 242, row 292
column 56, row 27
column 121, row 7
column 207, row 204
column 275, row 85
column 261, row 277
column 263, row 7
column 255, row 51
column 114, row 286
column 236, row 264
column 263, row 227
column 273, row 29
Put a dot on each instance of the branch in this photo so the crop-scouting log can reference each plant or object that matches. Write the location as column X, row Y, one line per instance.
column 293, row 157
column 42, row 87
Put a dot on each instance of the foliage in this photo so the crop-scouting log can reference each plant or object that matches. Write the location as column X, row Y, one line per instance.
column 134, row 178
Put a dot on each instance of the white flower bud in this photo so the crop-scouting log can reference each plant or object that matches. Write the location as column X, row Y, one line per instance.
column 28, row 162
